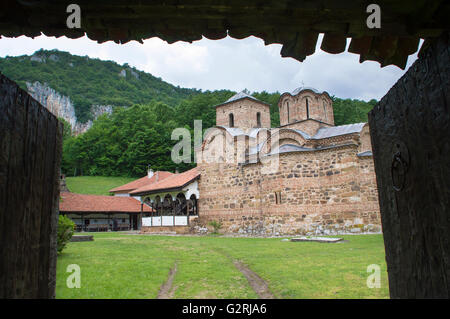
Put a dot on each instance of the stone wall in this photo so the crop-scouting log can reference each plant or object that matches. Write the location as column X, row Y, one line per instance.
column 244, row 112
column 353, row 138
column 320, row 108
column 194, row 227
column 165, row 230
column 331, row 191
column 366, row 143
column 308, row 126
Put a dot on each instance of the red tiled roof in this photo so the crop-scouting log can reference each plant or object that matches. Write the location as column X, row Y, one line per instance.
column 72, row 202
column 141, row 182
column 172, row 182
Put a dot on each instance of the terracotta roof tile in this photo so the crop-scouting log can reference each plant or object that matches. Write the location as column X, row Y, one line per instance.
column 72, row 202
column 141, row 182
column 172, row 182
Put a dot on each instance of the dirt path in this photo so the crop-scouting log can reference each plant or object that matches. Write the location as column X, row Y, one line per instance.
column 257, row 283
column 167, row 291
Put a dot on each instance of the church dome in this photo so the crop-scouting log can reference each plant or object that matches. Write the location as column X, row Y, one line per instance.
column 303, row 88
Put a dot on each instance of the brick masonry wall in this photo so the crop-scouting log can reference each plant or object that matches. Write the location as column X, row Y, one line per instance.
column 308, row 126
column 320, row 108
column 244, row 112
column 366, row 143
column 193, row 227
column 323, row 192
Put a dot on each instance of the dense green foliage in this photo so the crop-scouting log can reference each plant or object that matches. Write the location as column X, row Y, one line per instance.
column 200, row 107
column 65, row 231
column 272, row 99
column 67, row 132
column 125, row 142
column 351, row 111
column 90, row 81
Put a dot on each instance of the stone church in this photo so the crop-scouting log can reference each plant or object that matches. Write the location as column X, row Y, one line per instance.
column 306, row 176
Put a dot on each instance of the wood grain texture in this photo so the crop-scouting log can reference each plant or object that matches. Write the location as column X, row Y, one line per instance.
column 30, row 157
column 294, row 24
column 410, row 131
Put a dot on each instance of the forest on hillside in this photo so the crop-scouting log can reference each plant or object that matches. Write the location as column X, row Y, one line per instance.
column 89, row 81
column 138, row 132
column 125, row 142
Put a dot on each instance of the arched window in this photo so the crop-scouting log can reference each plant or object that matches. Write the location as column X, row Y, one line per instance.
column 287, row 111
column 231, row 119
column 181, row 205
column 157, row 206
column 325, row 111
column 258, row 119
column 167, row 206
column 307, row 108
column 194, row 207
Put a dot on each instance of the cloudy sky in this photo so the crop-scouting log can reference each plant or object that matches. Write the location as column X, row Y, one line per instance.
column 230, row 64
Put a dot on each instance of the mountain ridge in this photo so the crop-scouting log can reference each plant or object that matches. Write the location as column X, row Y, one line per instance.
column 80, row 85
column 128, row 116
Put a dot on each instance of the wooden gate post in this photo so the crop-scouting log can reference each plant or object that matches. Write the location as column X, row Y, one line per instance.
column 410, row 132
column 30, row 158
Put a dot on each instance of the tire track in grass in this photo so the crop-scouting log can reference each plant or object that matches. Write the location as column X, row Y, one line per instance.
column 167, row 291
column 257, row 283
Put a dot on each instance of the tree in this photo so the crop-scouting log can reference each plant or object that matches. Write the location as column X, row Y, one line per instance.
column 67, row 131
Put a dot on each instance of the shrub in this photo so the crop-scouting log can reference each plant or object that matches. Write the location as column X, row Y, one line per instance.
column 65, row 231
column 216, row 225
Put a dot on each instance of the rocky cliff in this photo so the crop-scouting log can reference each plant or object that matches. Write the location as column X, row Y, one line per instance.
column 79, row 88
column 62, row 106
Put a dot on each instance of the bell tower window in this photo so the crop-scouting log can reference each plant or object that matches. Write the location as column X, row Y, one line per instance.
column 287, row 110
column 231, row 119
column 258, row 119
column 307, row 108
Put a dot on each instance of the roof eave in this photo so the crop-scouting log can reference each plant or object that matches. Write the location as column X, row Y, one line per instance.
column 290, row 94
column 165, row 190
column 243, row 98
column 122, row 190
column 99, row 212
column 300, row 121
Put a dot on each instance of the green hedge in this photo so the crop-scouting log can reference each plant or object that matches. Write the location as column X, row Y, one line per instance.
column 65, row 231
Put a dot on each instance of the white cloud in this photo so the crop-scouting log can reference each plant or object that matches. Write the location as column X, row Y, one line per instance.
column 230, row 64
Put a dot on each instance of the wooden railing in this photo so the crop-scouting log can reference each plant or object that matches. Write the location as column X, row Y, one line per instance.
column 101, row 227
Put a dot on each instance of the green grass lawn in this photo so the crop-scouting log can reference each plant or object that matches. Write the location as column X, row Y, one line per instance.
column 118, row 265
column 97, row 185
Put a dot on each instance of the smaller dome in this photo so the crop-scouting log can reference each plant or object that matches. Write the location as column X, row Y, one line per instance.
column 302, row 88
